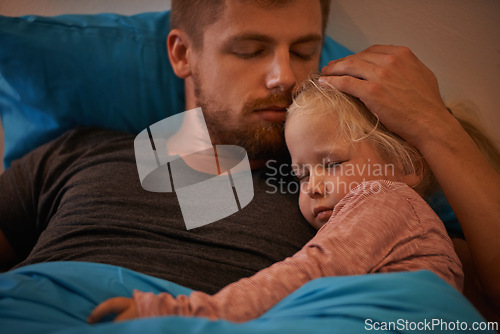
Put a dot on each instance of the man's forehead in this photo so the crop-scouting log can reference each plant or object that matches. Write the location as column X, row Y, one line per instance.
column 241, row 19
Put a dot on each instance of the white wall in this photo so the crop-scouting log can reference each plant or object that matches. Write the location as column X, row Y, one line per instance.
column 458, row 39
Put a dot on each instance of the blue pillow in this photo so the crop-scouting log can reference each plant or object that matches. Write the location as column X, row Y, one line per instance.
column 103, row 70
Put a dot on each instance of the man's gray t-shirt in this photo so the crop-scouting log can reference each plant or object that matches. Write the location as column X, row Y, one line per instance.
column 79, row 198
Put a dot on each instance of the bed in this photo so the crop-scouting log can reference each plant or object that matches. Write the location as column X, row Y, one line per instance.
column 100, row 70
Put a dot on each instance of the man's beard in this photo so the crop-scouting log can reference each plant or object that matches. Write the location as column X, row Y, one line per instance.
column 261, row 139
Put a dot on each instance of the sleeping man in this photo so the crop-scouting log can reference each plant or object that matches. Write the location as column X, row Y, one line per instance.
column 78, row 198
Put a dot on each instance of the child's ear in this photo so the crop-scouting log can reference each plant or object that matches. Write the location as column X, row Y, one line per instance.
column 412, row 180
column 179, row 51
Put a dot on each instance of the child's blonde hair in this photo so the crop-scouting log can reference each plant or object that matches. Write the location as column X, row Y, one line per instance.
column 357, row 123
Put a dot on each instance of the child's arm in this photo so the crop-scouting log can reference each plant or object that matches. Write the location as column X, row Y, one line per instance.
column 360, row 238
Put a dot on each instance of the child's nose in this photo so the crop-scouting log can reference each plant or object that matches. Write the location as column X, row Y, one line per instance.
column 315, row 187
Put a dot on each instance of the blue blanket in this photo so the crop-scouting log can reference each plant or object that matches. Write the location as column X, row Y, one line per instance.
column 58, row 297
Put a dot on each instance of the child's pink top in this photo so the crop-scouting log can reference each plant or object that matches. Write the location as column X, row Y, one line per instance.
column 380, row 226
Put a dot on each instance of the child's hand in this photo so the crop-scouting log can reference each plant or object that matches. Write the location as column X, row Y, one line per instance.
column 123, row 307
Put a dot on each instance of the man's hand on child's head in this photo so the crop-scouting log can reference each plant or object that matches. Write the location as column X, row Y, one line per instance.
column 395, row 85
column 123, row 307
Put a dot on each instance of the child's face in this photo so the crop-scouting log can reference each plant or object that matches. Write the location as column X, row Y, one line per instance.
column 328, row 170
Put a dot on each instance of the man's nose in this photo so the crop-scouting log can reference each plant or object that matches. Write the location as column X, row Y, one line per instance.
column 280, row 77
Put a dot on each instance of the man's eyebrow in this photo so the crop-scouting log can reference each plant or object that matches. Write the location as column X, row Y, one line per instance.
column 266, row 39
column 252, row 37
column 308, row 38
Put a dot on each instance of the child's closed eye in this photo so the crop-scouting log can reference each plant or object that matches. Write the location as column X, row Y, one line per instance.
column 333, row 164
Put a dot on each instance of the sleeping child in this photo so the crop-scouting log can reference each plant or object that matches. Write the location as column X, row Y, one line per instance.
column 361, row 186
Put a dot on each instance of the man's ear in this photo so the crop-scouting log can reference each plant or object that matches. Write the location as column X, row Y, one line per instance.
column 179, row 49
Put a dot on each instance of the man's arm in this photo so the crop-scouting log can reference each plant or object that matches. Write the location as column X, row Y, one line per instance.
column 404, row 94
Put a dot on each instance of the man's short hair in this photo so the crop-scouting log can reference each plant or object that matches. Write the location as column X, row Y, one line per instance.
column 192, row 16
